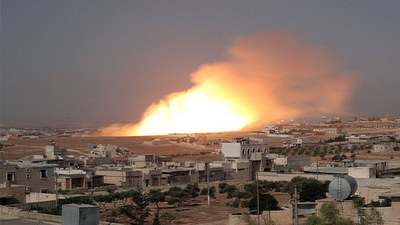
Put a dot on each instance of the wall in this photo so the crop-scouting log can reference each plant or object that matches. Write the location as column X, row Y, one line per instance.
column 362, row 172
column 281, row 217
column 288, row 176
column 240, row 175
column 29, row 215
column 40, row 197
column 17, row 191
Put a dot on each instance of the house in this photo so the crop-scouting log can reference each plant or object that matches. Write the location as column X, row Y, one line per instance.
column 72, row 179
column 54, row 152
column 377, row 164
column 36, row 177
column 241, row 148
column 383, row 147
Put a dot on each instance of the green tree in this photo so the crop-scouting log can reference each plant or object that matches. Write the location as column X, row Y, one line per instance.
column 315, row 220
column 139, row 211
column 156, row 196
column 177, row 196
column 213, row 190
column 312, row 190
column 193, row 189
column 103, row 200
column 230, row 189
column 156, row 220
column 330, row 215
column 370, row 216
column 221, row 187
column 267, row 202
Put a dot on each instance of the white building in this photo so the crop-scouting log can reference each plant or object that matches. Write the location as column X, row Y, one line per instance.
column 54, row 152
column 241, row 148
column 383, row 147
column 270, row 129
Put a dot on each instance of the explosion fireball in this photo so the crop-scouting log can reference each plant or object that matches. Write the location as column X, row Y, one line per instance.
column 268, row 76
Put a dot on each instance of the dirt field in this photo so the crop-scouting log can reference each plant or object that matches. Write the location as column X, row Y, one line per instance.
column 16, row 149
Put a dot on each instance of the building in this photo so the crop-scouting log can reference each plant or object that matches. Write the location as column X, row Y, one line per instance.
column 54, row 152
column 270, row 129
column 241, row 148
column 376, row 164
column 12, row 193
column 36, row 177
column 73, row 179
column 383, row 147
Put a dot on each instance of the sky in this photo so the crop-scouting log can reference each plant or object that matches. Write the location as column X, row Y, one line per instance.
column 104, row 61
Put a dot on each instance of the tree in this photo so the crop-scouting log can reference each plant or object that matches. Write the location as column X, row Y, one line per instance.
column 267, row 202
column 330, row 215
column 193, row 189
column 156, row 196
column 156, row 220
column 315, row 220
column 230, row 189
column 370, row 216
column 312, row 190
column 221, row 187
column 103, row 200
column 138, row 212
column 213, row 190
column 177, row 196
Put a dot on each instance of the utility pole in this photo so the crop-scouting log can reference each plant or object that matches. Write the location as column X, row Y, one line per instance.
column 296, row 215
column 122, row 172
column 56, row 187
column 258, row 200
column 317, row 169
column 208, row 183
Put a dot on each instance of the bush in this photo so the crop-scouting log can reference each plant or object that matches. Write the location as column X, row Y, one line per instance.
column 267, row 202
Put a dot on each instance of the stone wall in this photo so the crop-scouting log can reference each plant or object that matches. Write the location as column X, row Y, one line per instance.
column 288, row 176
column 240, row 175
column 281, row 217
column 28, row 215
column 371, row 193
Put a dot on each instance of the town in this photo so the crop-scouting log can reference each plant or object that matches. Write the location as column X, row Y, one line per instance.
column 285, row 173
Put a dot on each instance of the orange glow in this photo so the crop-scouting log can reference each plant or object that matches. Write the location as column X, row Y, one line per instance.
column 269, row 76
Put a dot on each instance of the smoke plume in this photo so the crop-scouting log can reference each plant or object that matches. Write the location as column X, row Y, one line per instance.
column 268, row 77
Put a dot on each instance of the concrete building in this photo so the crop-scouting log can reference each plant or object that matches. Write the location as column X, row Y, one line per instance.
column 270, row 129
column 149, row 160
column 73, row 179
column 36, row 177
column 383, row 147
column 12, row 193
column 156, row 142
column 54, row 152
column 241, row 148
column 376, row 164
column 123, row 177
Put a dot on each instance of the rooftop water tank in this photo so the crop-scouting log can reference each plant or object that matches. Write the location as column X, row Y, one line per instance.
column 342, row 187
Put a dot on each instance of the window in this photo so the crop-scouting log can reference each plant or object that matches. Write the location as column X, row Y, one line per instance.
column 44, row 190
column 28, row 170
column 43, row 174
column 10, row 177
column 28, row 176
